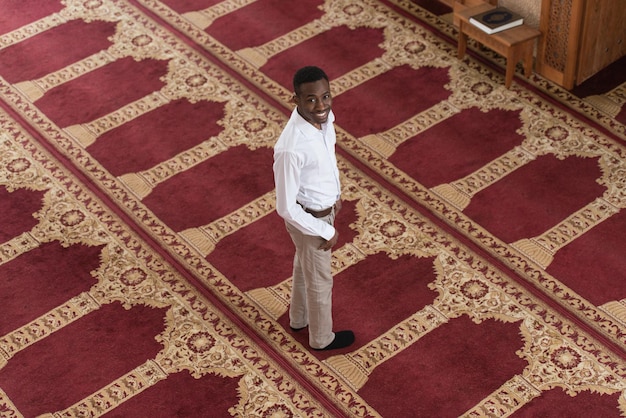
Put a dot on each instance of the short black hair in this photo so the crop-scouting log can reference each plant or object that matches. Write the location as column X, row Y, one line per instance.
column 307, row 74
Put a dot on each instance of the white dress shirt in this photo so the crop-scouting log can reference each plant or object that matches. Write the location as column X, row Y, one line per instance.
column 305, row 172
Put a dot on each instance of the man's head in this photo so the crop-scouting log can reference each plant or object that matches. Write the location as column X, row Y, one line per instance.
column 312, row 95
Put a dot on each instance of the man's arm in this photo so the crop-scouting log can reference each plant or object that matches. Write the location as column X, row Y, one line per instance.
column 287, row 181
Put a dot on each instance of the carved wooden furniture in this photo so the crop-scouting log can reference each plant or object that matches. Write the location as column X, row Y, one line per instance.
column 580, row 37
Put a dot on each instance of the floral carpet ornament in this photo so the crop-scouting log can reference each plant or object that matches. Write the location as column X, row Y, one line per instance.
column 143, row 268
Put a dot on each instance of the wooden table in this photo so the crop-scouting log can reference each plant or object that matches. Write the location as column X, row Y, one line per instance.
column 515, row 44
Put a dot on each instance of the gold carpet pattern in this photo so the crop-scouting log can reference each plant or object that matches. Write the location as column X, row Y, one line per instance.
column 191, row 345
column 547, row 130
column 199, row 338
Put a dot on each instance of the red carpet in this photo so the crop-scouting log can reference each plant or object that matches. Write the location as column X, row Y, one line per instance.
column 143, row 271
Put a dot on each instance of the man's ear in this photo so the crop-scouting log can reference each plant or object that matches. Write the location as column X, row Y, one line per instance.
column 294, row 99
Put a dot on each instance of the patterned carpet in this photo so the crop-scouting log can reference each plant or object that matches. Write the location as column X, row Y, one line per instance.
column 143, row 271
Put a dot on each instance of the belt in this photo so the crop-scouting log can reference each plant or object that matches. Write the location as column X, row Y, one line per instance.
column 318, row 213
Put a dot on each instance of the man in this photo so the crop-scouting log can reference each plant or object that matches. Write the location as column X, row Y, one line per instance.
column 308, row 199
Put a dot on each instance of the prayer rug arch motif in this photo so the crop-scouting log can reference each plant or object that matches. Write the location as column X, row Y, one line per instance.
column 214, row 323
column 196, row 339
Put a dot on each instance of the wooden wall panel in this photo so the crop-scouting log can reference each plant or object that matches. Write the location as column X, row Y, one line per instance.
column 603, row 39
column 580, row 37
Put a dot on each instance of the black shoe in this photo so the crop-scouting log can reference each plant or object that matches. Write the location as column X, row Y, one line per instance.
column 342, row 340
column 297, row 329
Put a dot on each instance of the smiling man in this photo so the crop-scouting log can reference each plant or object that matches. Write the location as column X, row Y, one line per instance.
column 308, row 195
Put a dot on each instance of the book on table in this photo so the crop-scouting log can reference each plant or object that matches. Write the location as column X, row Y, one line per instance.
column 496, row 20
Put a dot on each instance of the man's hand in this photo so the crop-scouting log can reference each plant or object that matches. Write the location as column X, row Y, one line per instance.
column 338, row 206
column 327, row 245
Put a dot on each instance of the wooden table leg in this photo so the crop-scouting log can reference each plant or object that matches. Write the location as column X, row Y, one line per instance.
column 511, row 62
column 528, row 58
column 462, row 42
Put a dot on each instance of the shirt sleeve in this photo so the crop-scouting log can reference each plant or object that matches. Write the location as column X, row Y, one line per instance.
column 287, row 181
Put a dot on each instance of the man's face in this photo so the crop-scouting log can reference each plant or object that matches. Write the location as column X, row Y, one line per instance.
column 314, row 101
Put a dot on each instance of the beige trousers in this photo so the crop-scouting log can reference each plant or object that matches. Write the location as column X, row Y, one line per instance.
column 311, row 295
